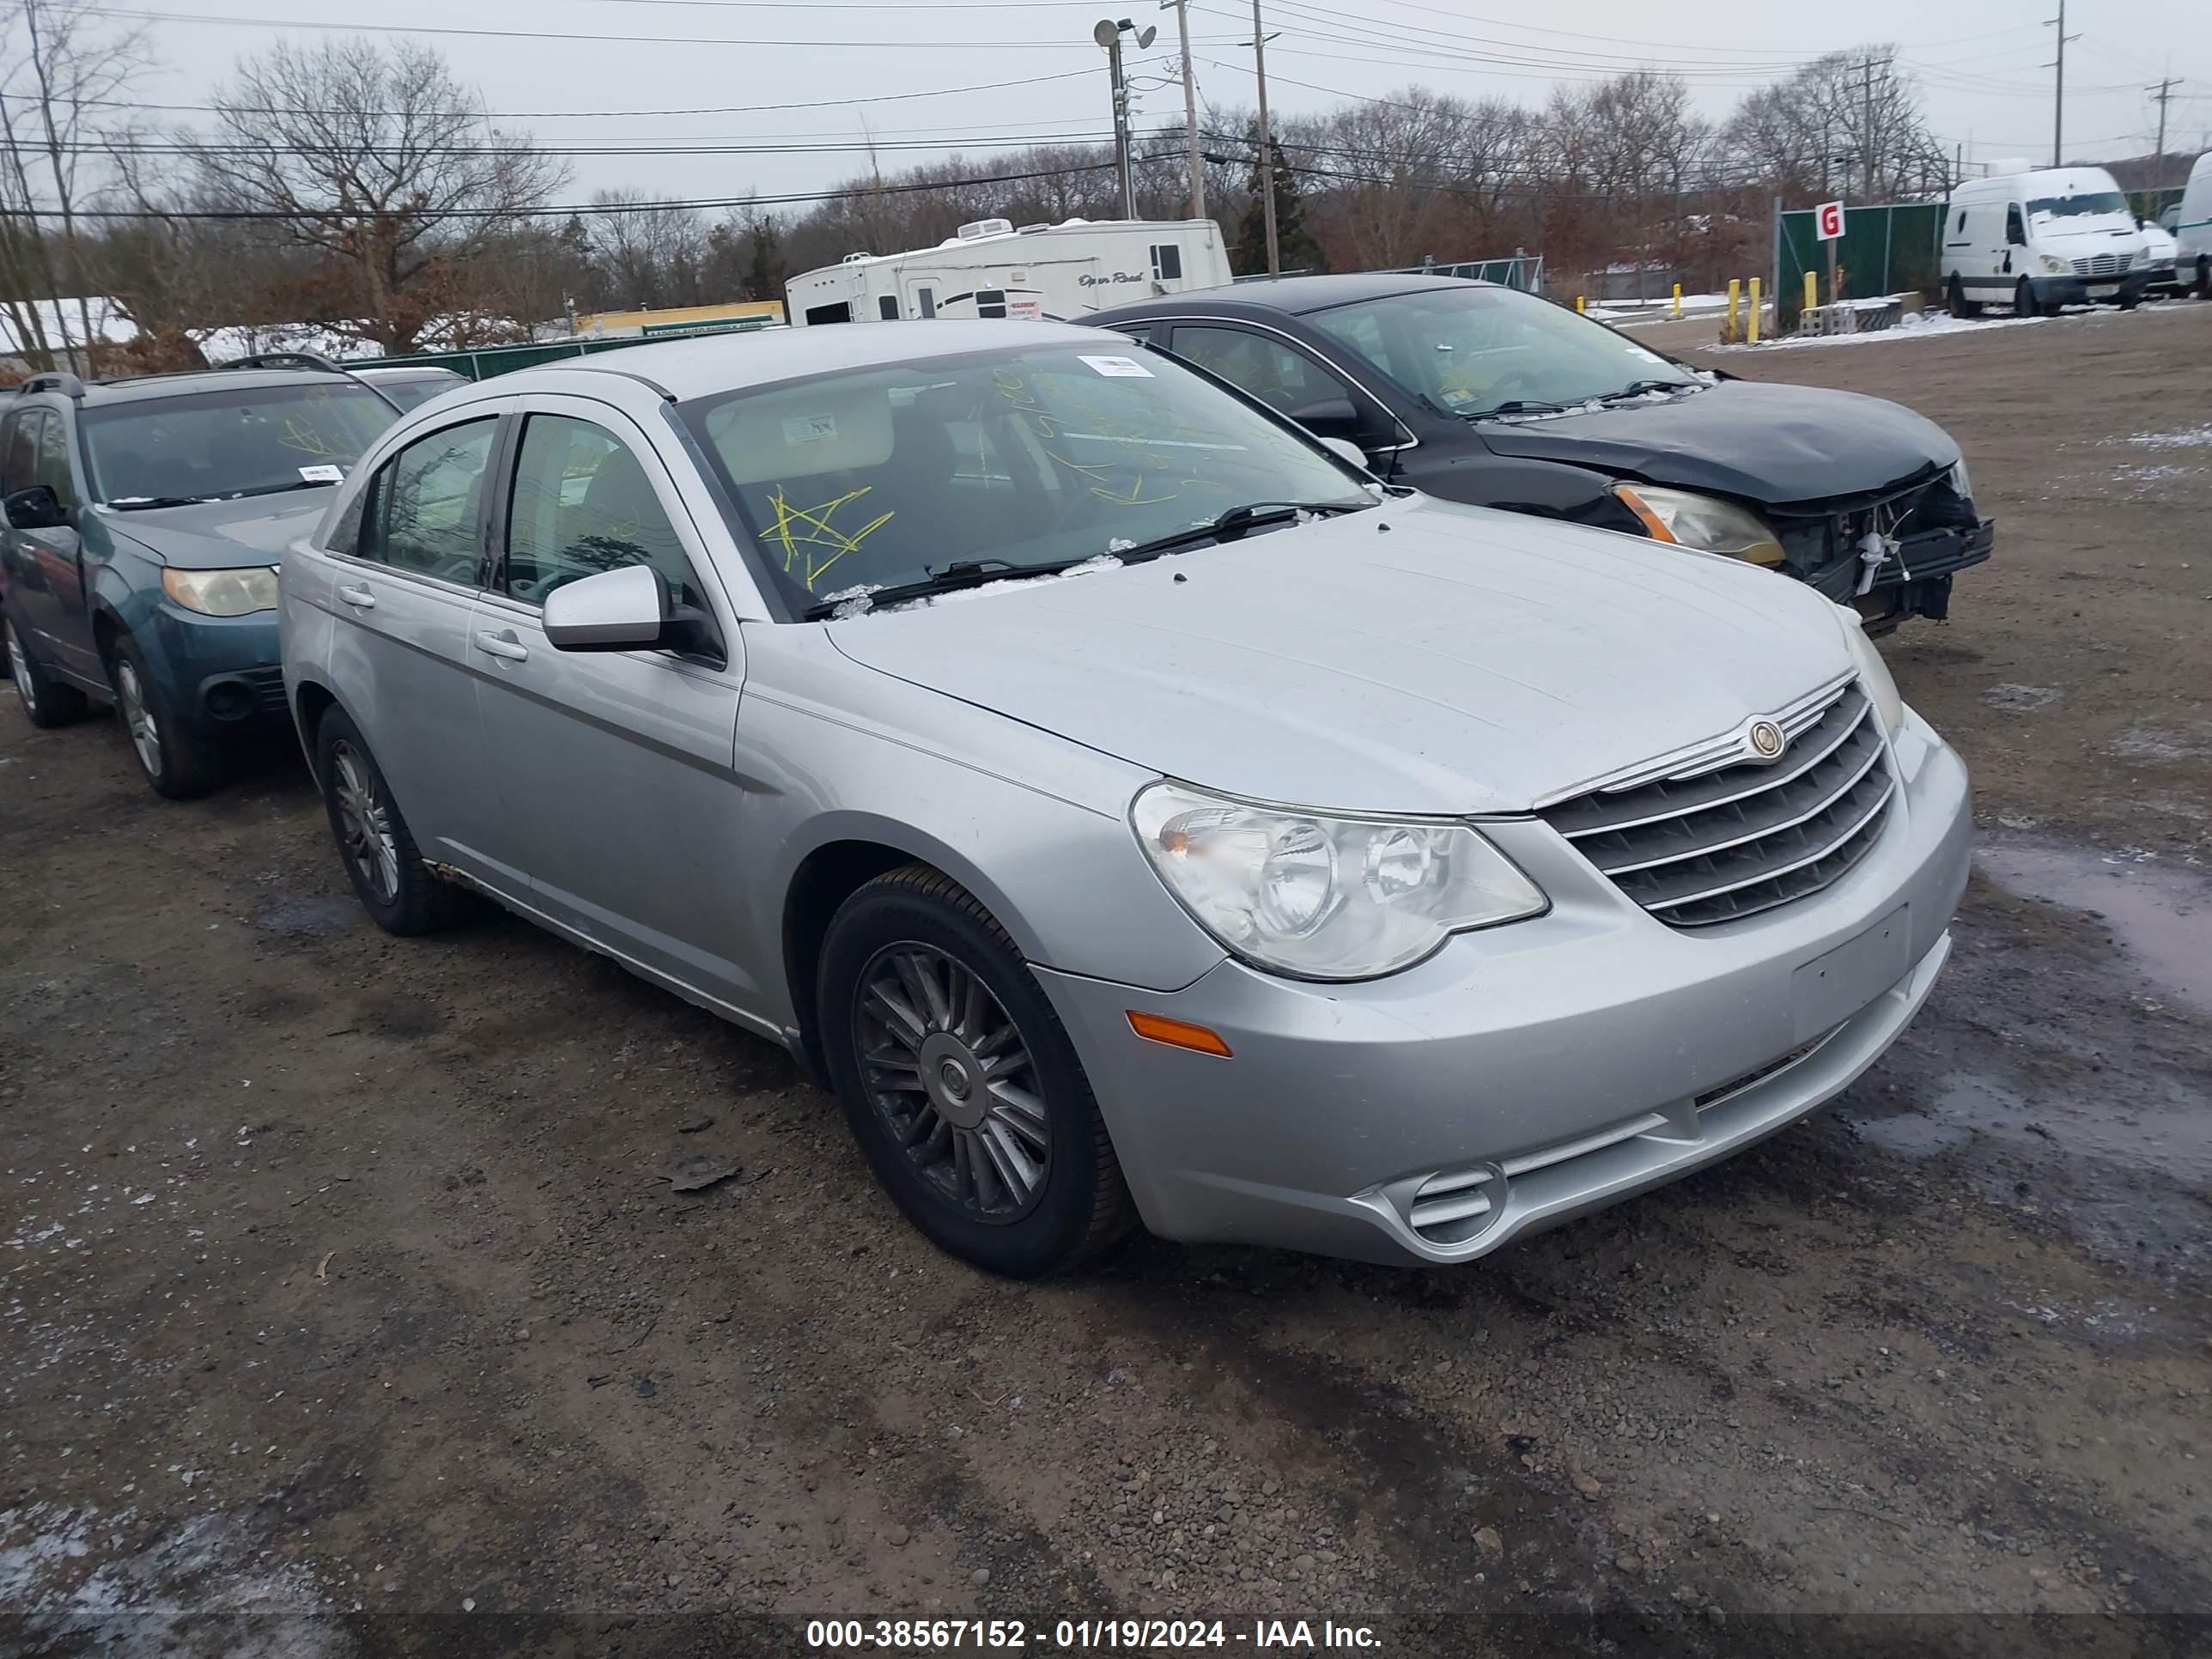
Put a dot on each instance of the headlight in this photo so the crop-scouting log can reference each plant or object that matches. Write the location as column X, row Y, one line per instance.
column 1324, row 897
column 1961, row 485
column 222, row 592
column 1873, row 672
column 2054, row 267
column 1703, row 522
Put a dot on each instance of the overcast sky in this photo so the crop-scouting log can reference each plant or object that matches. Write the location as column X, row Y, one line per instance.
column 889, row 68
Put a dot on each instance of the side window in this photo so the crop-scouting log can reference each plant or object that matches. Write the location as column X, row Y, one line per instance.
column 840, row 312
column 345, row 534
column 52, row 465
column 1167, row 261
column 429, row 502
column 582, row 504
column 887, row 307
column 990, row 303
column 19, row 445
column 1269, row 370
column 2015, row 228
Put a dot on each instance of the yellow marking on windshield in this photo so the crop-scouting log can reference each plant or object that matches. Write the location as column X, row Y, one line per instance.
column 306, row 440
column 802, row 532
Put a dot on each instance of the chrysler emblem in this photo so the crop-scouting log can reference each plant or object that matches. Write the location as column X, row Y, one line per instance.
column 1766, row 740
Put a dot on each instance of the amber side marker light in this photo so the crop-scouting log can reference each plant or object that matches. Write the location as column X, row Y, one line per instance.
column 1177, row 1034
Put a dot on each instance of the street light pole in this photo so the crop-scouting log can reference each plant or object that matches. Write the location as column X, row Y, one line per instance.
column 1189, row 107
column 1266, row 145
column 1108, row 33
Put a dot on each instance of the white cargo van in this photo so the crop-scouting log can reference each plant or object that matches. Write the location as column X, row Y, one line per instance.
column 2037, row 241
column 1064, row 271
column 2193, row 231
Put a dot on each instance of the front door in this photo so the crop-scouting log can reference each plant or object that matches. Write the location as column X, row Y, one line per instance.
column 46, row 568
column 614, row 768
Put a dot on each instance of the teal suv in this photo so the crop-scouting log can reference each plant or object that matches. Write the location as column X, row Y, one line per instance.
column 141, row 523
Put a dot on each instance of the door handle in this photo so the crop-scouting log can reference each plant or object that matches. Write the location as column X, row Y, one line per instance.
column 503, row 645
column 360, row 597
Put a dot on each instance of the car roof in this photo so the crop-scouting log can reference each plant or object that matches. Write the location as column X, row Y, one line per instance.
column 1294, row 295
column 700, row 367
column 142, row 388
column 408, row 371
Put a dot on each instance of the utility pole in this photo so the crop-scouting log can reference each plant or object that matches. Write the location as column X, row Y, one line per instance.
column 1866, row 135
column 1266, row 145
column 2163, row 92
column 1189, row 107
column 1108, row 33
column 2058, row 90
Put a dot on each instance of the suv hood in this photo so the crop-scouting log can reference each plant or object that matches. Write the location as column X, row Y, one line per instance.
column 1465, row 660
column 1770, row 444
column 223, row 535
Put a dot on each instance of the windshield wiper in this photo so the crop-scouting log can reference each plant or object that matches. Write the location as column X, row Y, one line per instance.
column 1637, row 388
column 961, row 574
column 1229, row 525
column 1517, row 406
column 279, row 489
column 141, row 503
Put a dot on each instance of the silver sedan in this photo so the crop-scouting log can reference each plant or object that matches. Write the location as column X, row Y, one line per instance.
column 1132, row 811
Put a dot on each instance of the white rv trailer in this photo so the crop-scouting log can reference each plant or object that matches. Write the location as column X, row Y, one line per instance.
column 1062, row 272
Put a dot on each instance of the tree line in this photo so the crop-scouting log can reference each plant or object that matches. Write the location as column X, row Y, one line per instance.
column 359, row 184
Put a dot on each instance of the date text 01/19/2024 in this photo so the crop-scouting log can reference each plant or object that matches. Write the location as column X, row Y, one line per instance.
column 1074, row 1635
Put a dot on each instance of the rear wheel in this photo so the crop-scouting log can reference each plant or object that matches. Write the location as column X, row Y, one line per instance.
column 960, row 1084
column 2203, row 276
column 177, row 761
column 46, row 702
column 1961, row 305
column 388, row 874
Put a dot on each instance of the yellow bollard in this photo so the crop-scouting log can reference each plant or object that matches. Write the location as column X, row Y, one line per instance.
column 1733, row 331
column 1578, row 305
column 1750, row 333
column 1678, row 299
column 1812, row 290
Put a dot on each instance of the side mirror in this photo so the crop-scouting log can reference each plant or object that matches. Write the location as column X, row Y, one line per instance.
column 1330, row 417
column 1345, row 449
column 36, row 507
column 623, row 610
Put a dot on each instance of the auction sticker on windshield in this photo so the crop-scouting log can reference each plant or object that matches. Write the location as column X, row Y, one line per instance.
column 323, row 474
column 1119, row 368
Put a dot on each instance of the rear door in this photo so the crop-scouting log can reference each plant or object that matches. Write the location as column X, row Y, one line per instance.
column 402, row 585
column 614, row 769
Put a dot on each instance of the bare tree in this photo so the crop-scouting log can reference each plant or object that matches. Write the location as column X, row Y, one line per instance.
column 64, row 66
column 379, row 160
column 649, row 253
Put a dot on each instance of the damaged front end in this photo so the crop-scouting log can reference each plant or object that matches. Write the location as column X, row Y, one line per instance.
column 1889, row 553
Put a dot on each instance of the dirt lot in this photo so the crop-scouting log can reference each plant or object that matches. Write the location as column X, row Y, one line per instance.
column 346, row 1306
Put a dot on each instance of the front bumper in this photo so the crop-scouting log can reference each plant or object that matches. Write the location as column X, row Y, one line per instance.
column 1916, row 581
column 2089, row 291
column 221, row 674
column 1554, row 1065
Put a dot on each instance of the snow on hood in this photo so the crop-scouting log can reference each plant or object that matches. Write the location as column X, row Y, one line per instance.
column 221, row 535
column 1461, row 660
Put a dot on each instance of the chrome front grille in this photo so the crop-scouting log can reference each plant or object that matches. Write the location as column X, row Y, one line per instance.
column 2101, row 265
column 1738, row 839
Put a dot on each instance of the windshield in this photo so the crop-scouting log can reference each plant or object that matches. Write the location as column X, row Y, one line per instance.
column 2087, row 204
column 1468, row 348
column 1020, row 460
column 417, row 389
column 245, row 442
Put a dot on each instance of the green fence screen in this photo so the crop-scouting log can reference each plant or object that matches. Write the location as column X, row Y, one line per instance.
column 1891, row 249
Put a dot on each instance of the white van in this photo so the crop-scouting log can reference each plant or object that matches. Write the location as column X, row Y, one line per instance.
column 2193, row 231
column 1063, row 272
column 2037, row 241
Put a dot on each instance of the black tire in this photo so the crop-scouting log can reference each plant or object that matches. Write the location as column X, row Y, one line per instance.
column 46, row 702
column 177, row 761
column 2202, row 288
column 1076, row 1207
column 2023, row 300
column 388, row 875
column 1959, row 304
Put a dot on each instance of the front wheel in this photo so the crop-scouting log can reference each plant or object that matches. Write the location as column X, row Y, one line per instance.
column 46, row 702
column 2204, row 278
column 960, row 1083
column 2023, row 300
column 1961, row 305
column 387, row 872
column 177, row 761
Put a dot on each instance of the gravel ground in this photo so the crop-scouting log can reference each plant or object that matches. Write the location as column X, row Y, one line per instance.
column 347, row 1304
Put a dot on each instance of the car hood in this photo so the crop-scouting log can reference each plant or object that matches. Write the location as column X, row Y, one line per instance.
column 221, row 535
column 1772, row 444
column 1462, row 660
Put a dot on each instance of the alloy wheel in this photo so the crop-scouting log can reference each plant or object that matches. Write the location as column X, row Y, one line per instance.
column 946, row 1066
column 138, row 718
column 365, row 828
column 19, row 669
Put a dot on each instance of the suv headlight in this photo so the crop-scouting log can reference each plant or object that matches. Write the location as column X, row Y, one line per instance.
column 2054, row 267
column 1873, row 672
column 222, row 592
column 1705, row 522
column 1320, row 897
